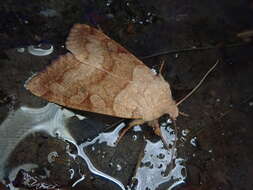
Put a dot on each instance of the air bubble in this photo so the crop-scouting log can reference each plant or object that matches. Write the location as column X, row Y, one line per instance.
column 51, row 157
column 161, row 156
column 118, row 167
column 72, row 173
column 135, row 137
column 20, row 50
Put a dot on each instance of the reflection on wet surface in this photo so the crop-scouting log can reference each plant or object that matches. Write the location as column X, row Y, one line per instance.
column 64, row 151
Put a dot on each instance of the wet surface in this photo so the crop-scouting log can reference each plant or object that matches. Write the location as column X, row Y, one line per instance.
column 217, row 136
column 67, row 159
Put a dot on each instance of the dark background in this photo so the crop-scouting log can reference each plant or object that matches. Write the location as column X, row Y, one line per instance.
column 193, row 33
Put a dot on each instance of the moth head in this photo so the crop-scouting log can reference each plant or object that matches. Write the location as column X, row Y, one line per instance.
column 173, row 111
column 158, row 100
column 169, row 108
column 165, row 101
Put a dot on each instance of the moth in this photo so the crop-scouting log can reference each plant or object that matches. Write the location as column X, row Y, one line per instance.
column 99, row 75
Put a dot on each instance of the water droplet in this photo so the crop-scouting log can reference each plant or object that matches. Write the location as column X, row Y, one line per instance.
column 194, row 141
column 161, row 156
column 21, row 50
column 185, row 132
column 137, row 127
column 57, row 133
column 135, row 137
column 118, row 167
column 52, row 156
column 72, row 173
column 147, row 164
column 169, row 121
column 38, row 51
column 154, row 71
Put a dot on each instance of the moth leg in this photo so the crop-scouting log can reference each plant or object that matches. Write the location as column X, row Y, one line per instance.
column 156, row 127
column 131, row 125
column 184, row 114
column 137, row 122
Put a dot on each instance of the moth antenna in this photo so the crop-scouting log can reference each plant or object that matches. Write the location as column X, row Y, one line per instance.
column 183, row 114
column 198, row 85
column 161, row 68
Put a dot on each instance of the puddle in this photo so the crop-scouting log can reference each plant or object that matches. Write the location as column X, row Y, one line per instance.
column 52, row 119
column 155, row 162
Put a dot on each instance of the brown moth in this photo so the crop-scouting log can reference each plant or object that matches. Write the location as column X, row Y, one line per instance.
column 99, row 75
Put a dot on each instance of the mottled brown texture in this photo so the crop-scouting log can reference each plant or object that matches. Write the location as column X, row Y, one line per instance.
column 99, row 75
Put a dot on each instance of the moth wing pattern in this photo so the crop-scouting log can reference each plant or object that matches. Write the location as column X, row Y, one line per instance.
column 90, row 77
column 93, row 47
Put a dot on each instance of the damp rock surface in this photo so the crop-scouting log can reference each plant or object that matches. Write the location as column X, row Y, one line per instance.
column 215, row 140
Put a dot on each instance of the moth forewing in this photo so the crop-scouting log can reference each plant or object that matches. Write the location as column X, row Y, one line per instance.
column 99, row 75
